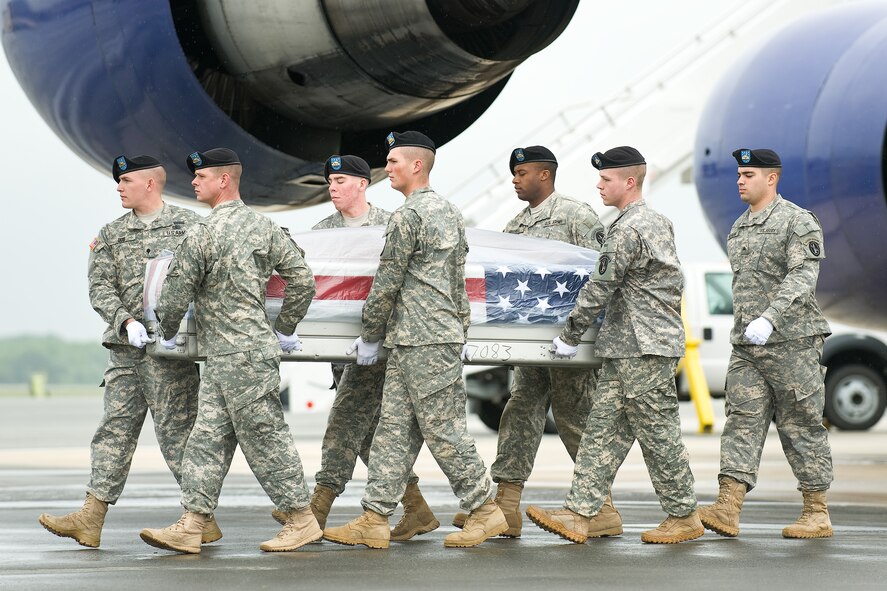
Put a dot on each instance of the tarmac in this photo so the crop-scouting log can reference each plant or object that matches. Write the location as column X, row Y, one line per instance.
column 44, row 463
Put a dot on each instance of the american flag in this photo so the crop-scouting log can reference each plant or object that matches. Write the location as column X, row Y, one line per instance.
column 531, row 294
column 532, row 281
column 509, row 279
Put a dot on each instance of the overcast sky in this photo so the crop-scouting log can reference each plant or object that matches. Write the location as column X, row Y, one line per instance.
column 55, row 203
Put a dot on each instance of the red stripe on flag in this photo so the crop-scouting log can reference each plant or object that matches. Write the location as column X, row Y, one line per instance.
column 337, row 287
column 275, row 287
column 476, row 288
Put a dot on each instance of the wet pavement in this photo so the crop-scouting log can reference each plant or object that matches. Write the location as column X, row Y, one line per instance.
column 44, row 462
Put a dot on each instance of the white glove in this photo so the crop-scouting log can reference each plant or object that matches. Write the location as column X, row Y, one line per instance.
column 562, row 350
column 466, row 353
column 290, row 343
column 170, row 344
column 367, row 353
column 138, row 336
column 758, row 331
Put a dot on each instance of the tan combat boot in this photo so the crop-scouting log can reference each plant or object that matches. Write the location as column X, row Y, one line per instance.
column 321, row 503
column 301, row 528
column 607, row 522
column 417, row 516
column 508, row 496
column 675, row 530
column 182, row 536
column 211, row 532
column 370, row 529
column 562, row 522
column 84, row 525
column 814, row 521
column 723, row 516
column 484, row 522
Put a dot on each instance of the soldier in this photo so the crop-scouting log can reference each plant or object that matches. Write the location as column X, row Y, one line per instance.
column 134, row 381
column 774, row 374
column 638, row 282
column 567, row 391
column 419, row 304
column 355, row 411
column 223, row 266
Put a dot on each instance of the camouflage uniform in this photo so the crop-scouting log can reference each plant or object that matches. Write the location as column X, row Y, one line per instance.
column 419, row 304
column 567, row 391
column 134, row 381
column 223, row 266
column 638, row 281
column 775, row 259
column 376, row 217
column 355, row 412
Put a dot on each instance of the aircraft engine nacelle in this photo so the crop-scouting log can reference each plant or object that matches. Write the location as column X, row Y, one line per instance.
column 817, row 94
column 284, row 83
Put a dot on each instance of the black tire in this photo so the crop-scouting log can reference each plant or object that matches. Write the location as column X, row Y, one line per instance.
column 855, row 397
column 490, row 413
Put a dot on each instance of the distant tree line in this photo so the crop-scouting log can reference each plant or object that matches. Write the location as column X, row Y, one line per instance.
column 63, row 362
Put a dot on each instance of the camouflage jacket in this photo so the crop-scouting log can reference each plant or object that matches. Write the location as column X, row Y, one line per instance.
column 377, row 217
column 638, row 281
column 117, row 264
column 223, row 266
column 775, row 259
column 418, row 295
column 561, row 218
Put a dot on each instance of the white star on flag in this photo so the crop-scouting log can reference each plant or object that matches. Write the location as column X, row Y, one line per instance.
column 581, row 272
column 542, row 272
column 543, row 304
column 504, row 303
column 504, row 270
column 561, row 288
column 522, row 287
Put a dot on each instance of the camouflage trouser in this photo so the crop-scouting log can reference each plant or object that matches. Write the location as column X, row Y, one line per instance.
column 567, row 391
column 352, row 424
column 424, row 400
column 134, row 383
column 635, row 400
column 782, row 381
column 239, row 402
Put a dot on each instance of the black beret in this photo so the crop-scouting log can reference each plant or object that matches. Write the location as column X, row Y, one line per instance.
column 757, row 158
column 409, row 138
column 122, row 165
column 351, row 165
column 530, row 154
column 617, row 158
column 210, row 158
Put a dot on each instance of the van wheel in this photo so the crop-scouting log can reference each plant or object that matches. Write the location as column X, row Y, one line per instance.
column 855, row 397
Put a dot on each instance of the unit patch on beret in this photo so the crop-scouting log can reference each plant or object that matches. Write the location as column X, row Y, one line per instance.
column 335, row 163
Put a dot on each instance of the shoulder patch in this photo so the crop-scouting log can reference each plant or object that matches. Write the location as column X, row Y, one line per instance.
column 607, row 257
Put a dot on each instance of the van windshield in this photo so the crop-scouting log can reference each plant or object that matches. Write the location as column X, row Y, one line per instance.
column 719, row 293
